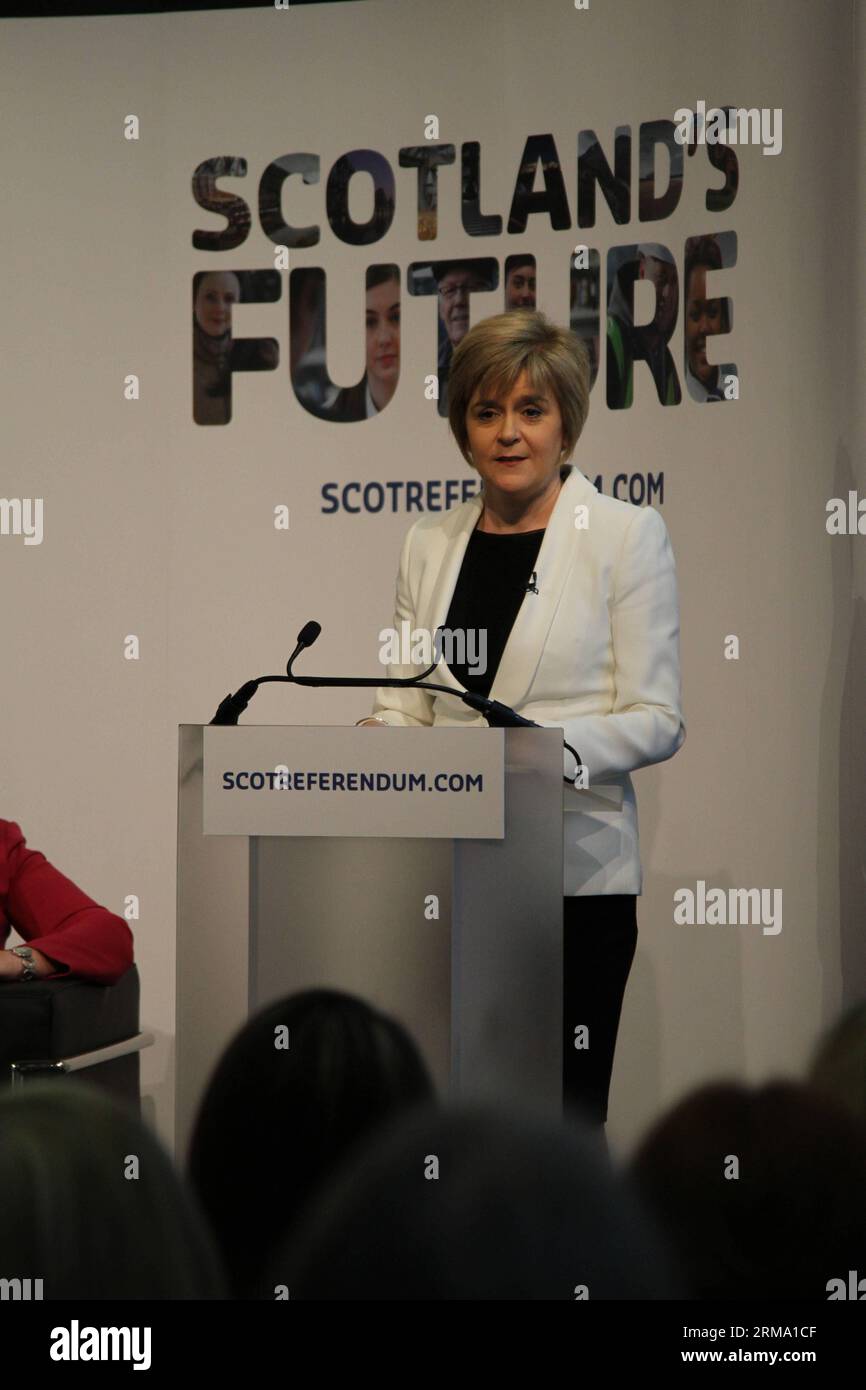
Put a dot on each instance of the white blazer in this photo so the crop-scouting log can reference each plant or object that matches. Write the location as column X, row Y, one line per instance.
column 594, row 652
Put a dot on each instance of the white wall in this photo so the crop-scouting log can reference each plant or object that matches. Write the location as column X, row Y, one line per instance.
column 162, row 528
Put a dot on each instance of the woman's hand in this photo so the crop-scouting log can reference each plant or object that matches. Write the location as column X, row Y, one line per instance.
column 12, row 967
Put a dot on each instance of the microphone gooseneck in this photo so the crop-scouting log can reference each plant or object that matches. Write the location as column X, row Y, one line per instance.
column 498, row 715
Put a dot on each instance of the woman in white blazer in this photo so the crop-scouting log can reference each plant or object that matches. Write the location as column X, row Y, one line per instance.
column 577, row 595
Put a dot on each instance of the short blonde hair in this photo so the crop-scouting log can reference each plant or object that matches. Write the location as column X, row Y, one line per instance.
column 493, row 354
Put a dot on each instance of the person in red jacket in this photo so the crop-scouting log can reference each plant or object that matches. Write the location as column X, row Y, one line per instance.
column 66, row 932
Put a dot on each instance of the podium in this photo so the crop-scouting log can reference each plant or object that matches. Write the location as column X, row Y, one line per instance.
column 437, row 899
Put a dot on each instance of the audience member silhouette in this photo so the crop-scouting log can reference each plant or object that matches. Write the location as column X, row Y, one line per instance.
column 475, row 1203
column 761, row 1191
column 92, row 1203
column 301, row 1084
column 839, row 1067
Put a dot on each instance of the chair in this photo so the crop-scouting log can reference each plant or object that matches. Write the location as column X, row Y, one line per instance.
column 73, row 1027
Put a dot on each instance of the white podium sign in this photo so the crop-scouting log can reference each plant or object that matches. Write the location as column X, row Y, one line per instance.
column 321, row 780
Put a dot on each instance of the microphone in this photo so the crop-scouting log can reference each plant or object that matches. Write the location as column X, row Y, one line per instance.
column 306, row 637
column 498, row 716
column 532, row 587
column 232, row 706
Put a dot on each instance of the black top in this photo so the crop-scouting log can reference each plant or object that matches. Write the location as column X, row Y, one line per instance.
column 490, row 588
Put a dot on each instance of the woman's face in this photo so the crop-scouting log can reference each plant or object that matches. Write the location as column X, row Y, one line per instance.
column 383, row 332
column 703, row 316
column 213, row 302
column 516, row 440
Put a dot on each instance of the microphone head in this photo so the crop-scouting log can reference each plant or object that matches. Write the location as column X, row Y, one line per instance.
column 308, row 633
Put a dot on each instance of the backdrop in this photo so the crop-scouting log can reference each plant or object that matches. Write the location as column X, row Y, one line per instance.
column 209, row 441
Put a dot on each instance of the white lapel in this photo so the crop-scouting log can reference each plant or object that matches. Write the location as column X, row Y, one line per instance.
column 527, row 637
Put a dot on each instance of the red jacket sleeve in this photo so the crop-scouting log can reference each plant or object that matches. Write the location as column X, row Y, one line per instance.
column 53, row 915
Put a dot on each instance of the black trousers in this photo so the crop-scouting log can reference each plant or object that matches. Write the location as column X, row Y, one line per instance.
column 599, row 940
